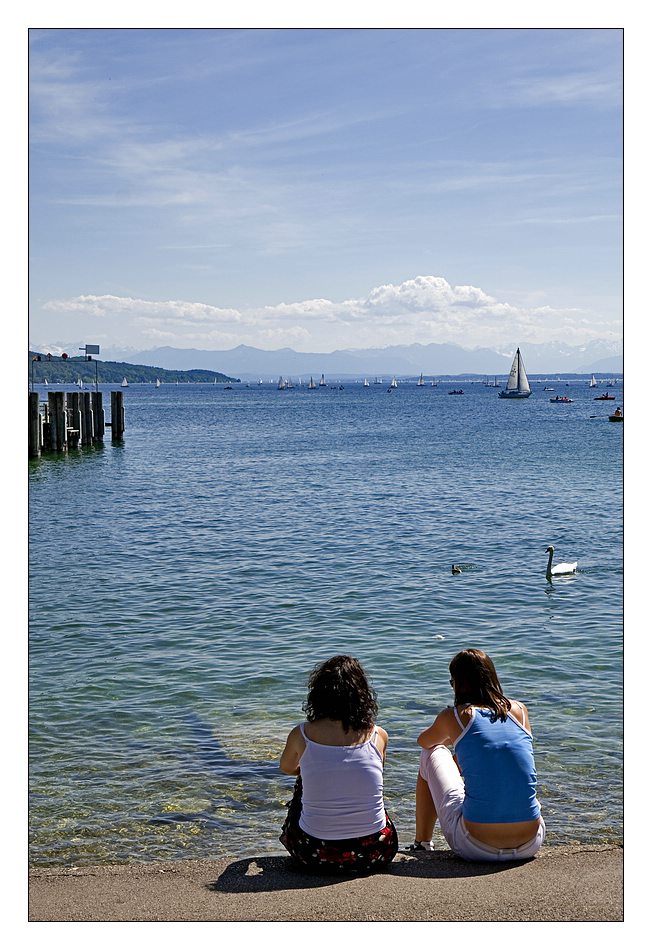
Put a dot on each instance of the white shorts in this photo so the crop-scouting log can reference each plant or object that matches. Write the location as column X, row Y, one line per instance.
column 437, row 767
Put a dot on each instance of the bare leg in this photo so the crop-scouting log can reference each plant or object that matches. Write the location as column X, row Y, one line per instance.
column 426, row 816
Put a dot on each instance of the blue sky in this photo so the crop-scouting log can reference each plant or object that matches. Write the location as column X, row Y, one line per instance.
column 324, row 189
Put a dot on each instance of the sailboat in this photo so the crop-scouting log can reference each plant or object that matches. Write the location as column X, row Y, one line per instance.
column 421, row 382
column 322, row 381
column 366, row 382
column 311, row 384
column 124, row 381
column 593, row 383
column 518, row 386
column 157, row 383
column 45, row 382
column 281, row 383
column 80, row 382
column 393, row 384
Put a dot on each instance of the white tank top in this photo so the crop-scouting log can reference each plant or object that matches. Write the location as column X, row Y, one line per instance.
column 342, row 790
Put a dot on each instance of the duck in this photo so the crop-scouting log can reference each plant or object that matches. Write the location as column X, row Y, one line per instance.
column 559, row 569
column 456, row 569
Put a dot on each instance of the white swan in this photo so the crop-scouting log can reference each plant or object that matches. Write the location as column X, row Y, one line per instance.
column 559, row 569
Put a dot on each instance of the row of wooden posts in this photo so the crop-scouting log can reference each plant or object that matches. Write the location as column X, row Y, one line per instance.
column 68, row 420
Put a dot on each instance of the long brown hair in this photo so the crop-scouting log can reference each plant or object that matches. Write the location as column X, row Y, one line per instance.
column 338, row 689
column 476, row 683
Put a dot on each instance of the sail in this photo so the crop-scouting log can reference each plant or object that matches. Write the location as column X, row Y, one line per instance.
column 518, row 381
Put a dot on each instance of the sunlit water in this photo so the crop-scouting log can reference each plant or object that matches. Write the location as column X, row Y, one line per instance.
column 183, row 583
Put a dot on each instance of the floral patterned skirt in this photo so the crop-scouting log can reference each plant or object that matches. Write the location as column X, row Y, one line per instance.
column 343, row 856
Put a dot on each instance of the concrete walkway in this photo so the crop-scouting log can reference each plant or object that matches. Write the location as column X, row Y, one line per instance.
column 579, row 883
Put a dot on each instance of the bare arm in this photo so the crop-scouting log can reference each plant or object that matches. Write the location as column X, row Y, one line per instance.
column 443, row 731
column 294, row 749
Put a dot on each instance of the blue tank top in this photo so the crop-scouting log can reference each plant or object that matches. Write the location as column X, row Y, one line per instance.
column 342, row 790
column 497, row 765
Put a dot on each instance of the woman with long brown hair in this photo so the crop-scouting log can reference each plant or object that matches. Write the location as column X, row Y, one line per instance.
column 337, row 819
column 485, row 797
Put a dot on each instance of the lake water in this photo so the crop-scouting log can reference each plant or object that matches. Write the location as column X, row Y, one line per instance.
column 184, row 582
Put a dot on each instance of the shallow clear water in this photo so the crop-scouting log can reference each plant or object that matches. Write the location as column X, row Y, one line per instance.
column 183, row 583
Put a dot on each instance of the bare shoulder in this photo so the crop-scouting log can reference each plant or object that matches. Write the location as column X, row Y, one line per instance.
column 382, row 733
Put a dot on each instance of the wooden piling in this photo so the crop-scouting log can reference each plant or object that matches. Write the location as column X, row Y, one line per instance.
column 74, row 418
column 58, row 429
column 117, row 416
column 86, row 419
column 34, row 426
column 98, row 417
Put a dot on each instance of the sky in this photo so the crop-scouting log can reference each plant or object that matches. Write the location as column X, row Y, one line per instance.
column 324, row 189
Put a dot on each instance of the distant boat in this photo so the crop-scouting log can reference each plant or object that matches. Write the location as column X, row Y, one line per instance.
column 124, row 381
column 80, row 382
column 560, row 399
column 518, row 386
column 455, row 392
column 592, row 383
column 548, row 389
column 421, row 382
column 604, row 397
column 378, row 381
column 366, row 382
column 322, row 381
column 393, row 384
column 157, row 383
column 289, row 384
column 45, row 382
column 312, row 384
column 433, row 383
column 260, row 382
column 281, row 383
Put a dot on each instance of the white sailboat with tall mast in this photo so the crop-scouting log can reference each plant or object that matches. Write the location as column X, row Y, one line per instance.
column 421, row 382
column 322, row 381
column 312, row 384
column 593, row 383
column 518, row 386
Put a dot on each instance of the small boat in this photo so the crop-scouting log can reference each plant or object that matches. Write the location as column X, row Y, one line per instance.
column 45, row 382
column 433, row 383
column 593, row 383
column 124, row 381
column 393, row 384
column 455, row 392
column 157, row 383
column 260, row 382
column 616, row 417
column 311, row 384
column 80, row 382
column 366, row 382
column 561, row 399
column 548, row 389
column 604, row 397
column 322, row 381
column 518, row 386
column 378, row 381
column 289, row 384
column 281, row 383
column 421, row 382
column 228, row 387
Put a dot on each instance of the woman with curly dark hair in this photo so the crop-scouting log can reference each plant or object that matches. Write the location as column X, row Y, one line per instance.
column 337, row 819
column 485, row 797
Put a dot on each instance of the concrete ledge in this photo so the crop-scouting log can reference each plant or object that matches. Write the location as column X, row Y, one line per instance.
column 578, row 883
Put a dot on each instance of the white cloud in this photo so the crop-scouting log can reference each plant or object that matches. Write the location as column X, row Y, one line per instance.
column 425, row 309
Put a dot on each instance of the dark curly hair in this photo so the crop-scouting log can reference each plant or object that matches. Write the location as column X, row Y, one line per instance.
column 338, row 689
column 476, row 683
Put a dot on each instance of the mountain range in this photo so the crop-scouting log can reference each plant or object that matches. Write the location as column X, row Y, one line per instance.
column 438, row 359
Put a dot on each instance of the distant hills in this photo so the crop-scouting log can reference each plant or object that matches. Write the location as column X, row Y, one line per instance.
column 434, row 359
column 64, row 372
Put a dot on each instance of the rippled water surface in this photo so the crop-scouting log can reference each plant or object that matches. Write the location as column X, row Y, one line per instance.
column 184, row 582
